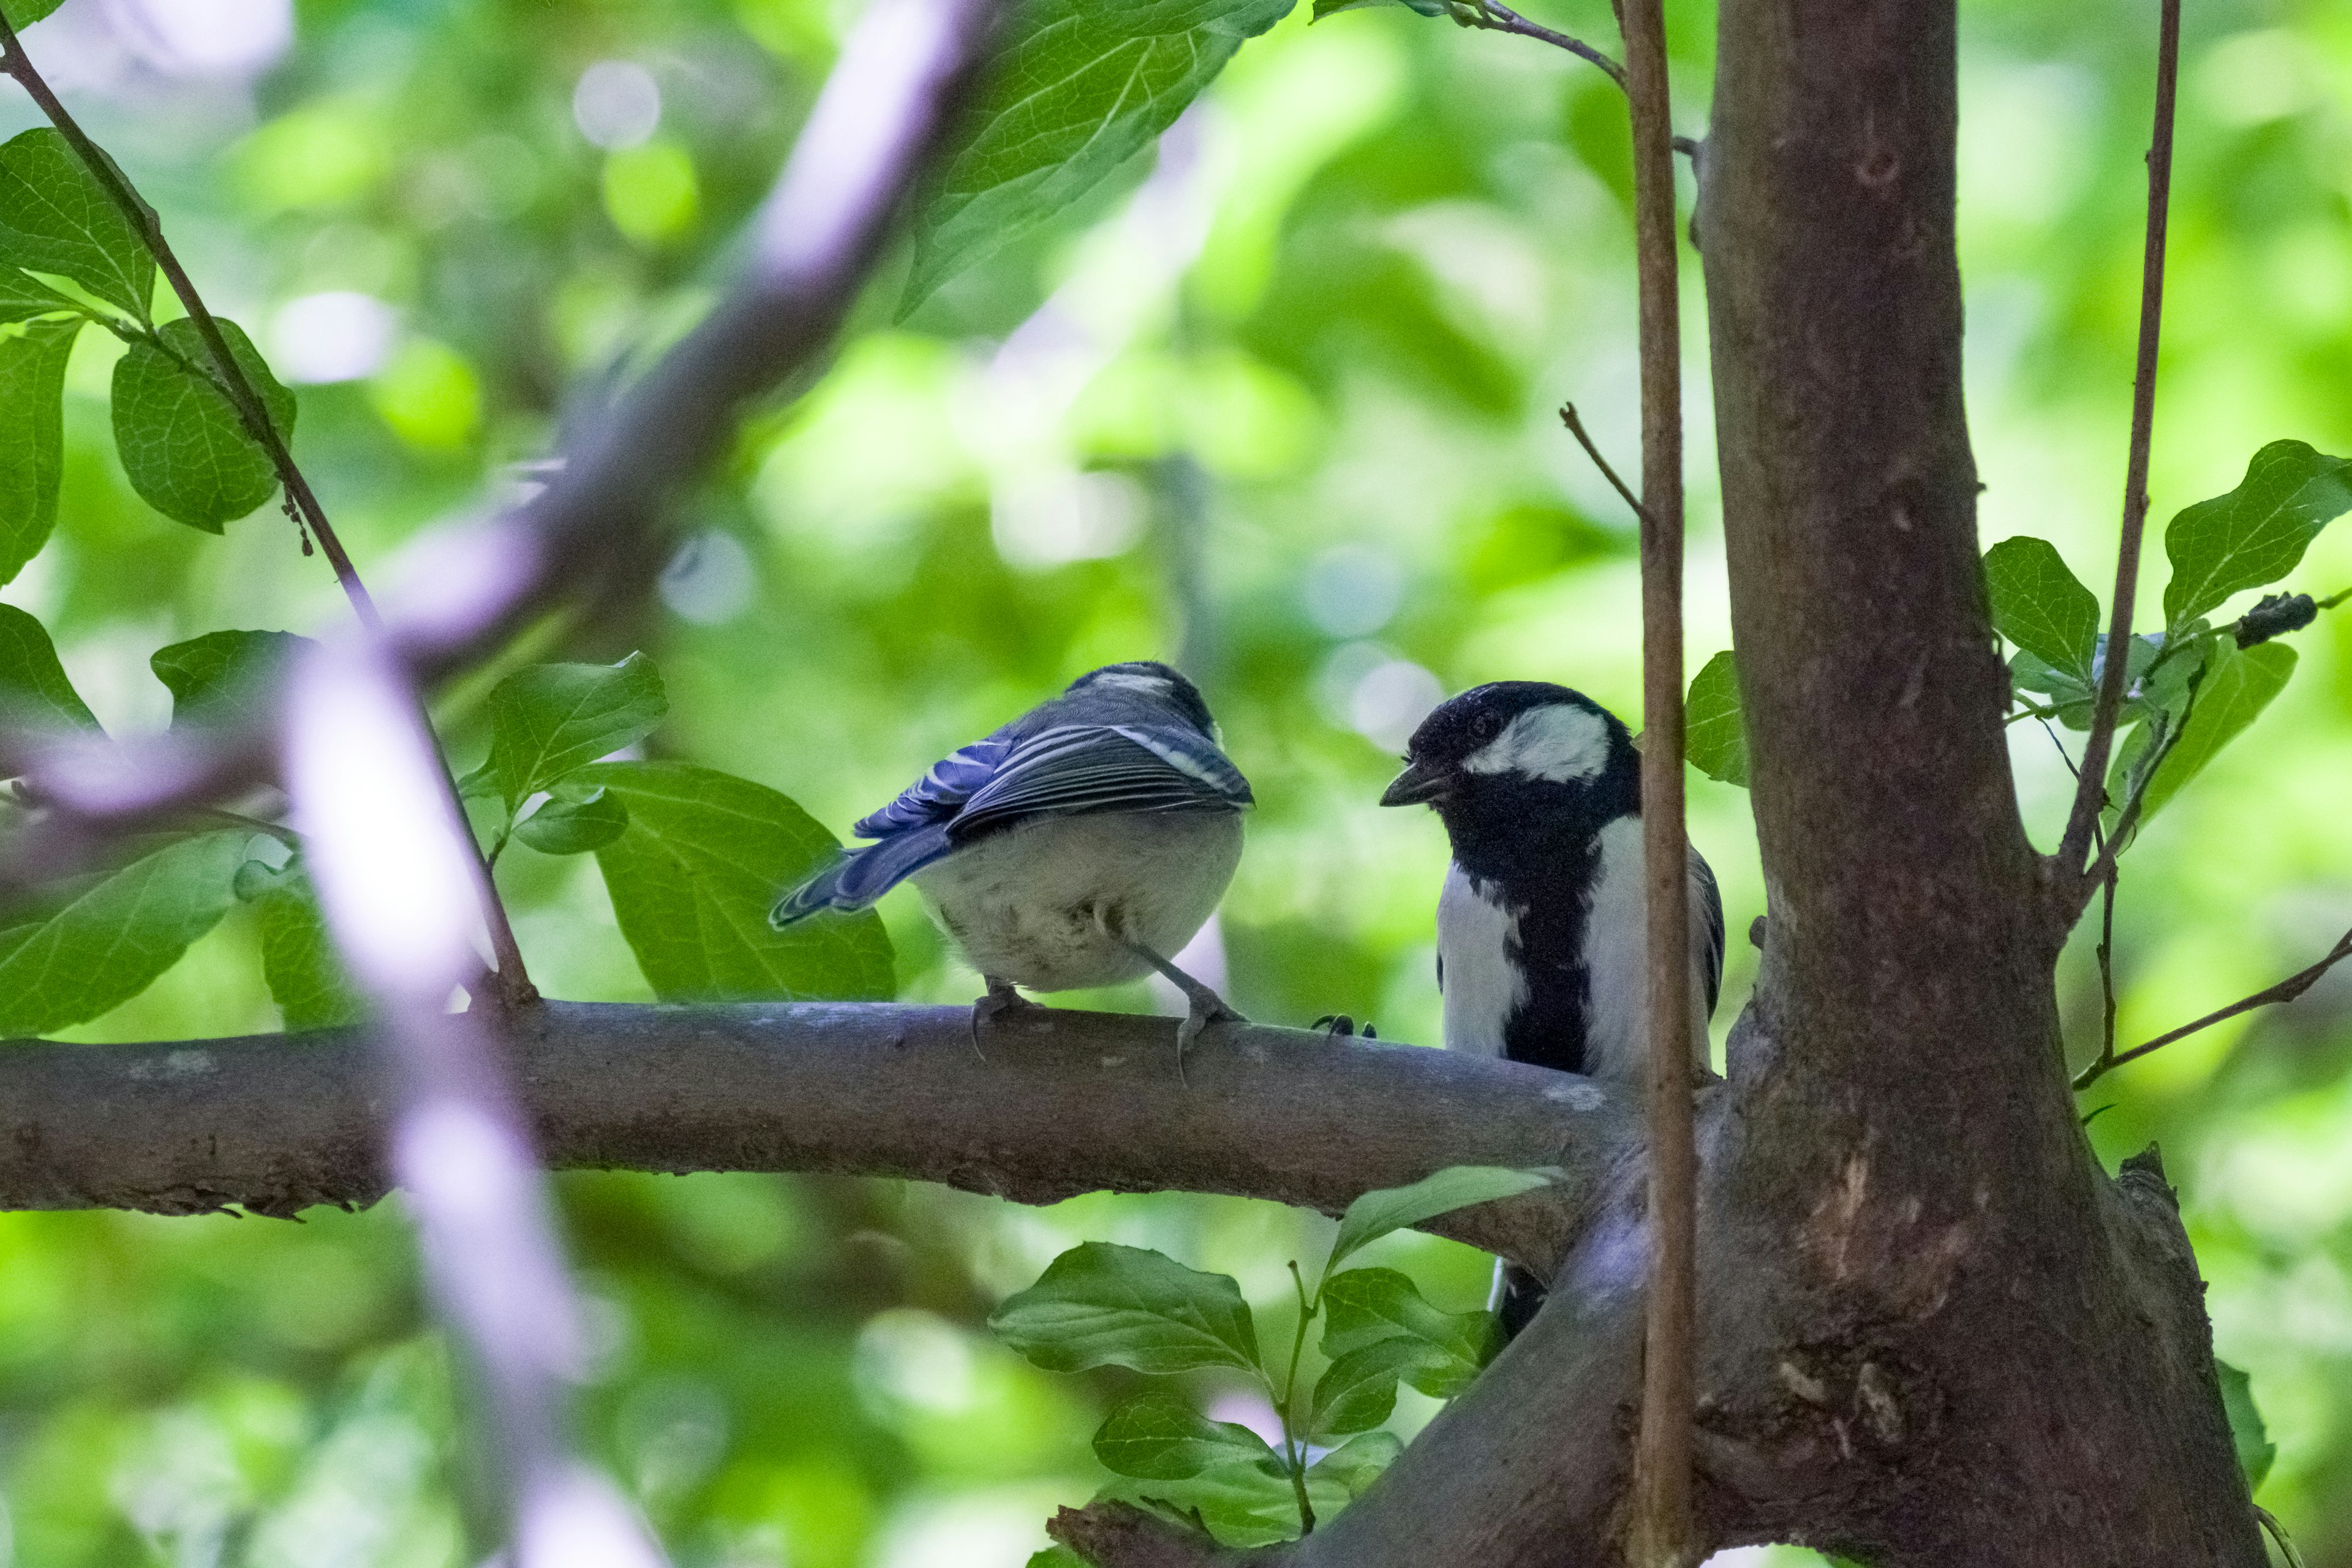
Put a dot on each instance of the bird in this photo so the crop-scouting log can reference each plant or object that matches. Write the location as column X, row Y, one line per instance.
column 1079, row 844
column 1542, row 940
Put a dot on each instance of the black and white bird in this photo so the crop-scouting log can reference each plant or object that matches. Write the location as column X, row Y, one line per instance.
column 1080, row 844
column 1542, row 940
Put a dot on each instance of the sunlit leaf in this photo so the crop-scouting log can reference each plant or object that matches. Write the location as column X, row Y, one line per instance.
column 34, row 689
column 2038, row 605
column 547, row 720
column 183, row 447
column 299, row 960
column 109, row 937
column 1376, row 1214
column 691, row 878
column 2238, row 685
column 2255, row 1450
column 1715, row 737
column 1333, row 7
column 22, row 298
column 574, row 826
column 2257, row 532
column 32, row 454
column 1158, row 1436
column 1243, row 1502
column 1364, row 1306
column 1075, row 88
column 223, row 678
column 1101, row 1304
column 55, row 218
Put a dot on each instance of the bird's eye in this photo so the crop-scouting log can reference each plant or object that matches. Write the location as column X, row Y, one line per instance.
column 1481, row 728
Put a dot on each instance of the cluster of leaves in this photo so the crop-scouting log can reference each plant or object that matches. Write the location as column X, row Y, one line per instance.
column 1104, row 1305
column 72, row 256
column 690, row 855
column 2192, row 687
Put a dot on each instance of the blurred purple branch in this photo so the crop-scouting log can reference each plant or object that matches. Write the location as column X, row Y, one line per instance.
column 1066, row 1102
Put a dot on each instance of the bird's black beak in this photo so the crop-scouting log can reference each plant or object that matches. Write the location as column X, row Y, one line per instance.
column 1419, row 784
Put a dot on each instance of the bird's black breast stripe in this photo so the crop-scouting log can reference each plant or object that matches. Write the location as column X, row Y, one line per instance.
column 1548, row 1027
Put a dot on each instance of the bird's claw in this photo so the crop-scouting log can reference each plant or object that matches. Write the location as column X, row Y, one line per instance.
column 1001, row 998
column 1207, row 1008
column 1339, row 1025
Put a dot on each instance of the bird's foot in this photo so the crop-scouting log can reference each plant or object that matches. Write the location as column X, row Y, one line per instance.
column 1001, row 998
column 1339, row 1025
column 1203, row 1006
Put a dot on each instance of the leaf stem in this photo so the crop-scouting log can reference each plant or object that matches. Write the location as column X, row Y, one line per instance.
column 2075, row 884
column 1294, row 1436
column 514, row 986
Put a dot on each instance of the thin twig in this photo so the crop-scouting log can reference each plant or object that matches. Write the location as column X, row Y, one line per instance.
column 514, row 986
column 2128, row 819
column 2286, row 990
column 2088, row 796
column 1567, row 417
column 2107, row 967
column 1492, row 17
column 1663, row 1532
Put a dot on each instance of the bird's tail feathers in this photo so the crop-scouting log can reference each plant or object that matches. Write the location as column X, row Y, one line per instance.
column 854, row 879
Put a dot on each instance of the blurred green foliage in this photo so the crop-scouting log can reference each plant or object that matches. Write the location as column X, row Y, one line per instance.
column 1278, row 401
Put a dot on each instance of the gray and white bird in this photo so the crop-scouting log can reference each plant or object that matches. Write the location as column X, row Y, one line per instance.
column 1080, row 844
column 1542, row 937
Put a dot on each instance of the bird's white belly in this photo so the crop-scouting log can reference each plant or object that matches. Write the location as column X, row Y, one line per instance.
column 1024, row 904
column 1476, row 936
column 1616, row 960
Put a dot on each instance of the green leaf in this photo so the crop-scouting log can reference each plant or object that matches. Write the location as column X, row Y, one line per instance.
column 2238, row 685
column 1158, row 1437
column 2038, row 605
column 2257, row 532
column 1101, row 1304
column 1333, row 7
column 548, row 719
column 1365, row 1306
column 1357, row 1392
column 55, row 218
column 692, row 878
column 34, row 689
column 223, row 678
column 299, row 960
column 1057, row 1557
column 574, row 826
column 106, row 937
column 1356, row 1463
column 1074, row 89
column 23, row 14
column 1242, row 1503
column 2255, row 1450
column 1715, row 737
column 23, row 297
column 183, row 447
column 2072, row 697
column 32, row 457
column 1376, row 1214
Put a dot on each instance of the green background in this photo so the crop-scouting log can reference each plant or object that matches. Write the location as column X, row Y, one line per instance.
column 1308, row 375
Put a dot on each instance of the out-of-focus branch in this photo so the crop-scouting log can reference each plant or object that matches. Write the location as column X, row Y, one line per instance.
column 1065, row 1103
column 2090, row 792
column 2286, row 990
column 461, row 591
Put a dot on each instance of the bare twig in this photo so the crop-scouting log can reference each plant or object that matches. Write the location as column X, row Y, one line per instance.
column 2128, row 819
column 2286, row 990
column 1492, row 15
column 1567, row 417
column 1662, row 1532
column 2089, row 794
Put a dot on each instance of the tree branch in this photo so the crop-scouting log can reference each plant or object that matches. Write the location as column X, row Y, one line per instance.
column 2090, row 791
column 1492, row 17
column 2286, row 990
column 1064, row 1102
column 1662, row 1533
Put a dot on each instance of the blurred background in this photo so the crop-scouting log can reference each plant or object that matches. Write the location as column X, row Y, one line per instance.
column 1278, row 402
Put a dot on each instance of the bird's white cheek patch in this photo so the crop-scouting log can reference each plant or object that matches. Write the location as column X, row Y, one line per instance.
column 1561, row 741
column 1151, row 684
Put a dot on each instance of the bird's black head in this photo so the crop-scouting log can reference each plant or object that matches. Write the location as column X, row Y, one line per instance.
column 1150, row 678
column 1520, row 763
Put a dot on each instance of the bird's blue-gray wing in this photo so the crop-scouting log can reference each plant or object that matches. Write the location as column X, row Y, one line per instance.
column 910, row 833
column 1076, row 769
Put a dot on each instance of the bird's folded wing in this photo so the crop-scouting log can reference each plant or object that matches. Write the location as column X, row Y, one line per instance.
column 1078, row 768
column 1706, row 927
column 939, row 794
